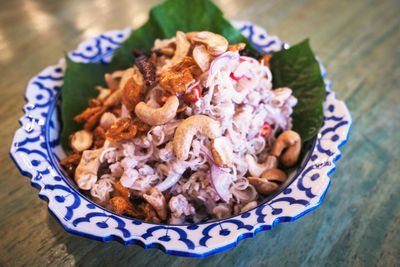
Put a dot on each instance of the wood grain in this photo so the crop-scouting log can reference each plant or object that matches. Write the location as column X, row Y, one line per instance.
column 358, row 222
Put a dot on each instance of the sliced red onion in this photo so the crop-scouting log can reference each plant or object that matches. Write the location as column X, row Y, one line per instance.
column 204, row 151
column 212, row 160
column 221, row 181
column 170, row 181
column 221, row 61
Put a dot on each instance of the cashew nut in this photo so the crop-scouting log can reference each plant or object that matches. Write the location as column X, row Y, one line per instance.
column 113, row 79
column 256, row 169
column 291, row 141
column 274, row 175
column 168, row 51
column 107, row 119
column 115, row 98
column 263, row 186
column 103, row 93
column 128, row 73
column 216, row 44
column 245, row 195
column 182, row 47
column 81, row 140
column 158, row 116
column 248, row 206
column 86, row 172
column 188, row 128
column 157, row 200
column 160, row 43
column 221, row 150
column 202, row 57
column 268, row 182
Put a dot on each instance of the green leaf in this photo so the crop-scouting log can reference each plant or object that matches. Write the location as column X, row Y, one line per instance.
column 298, row 69
column 165, row 19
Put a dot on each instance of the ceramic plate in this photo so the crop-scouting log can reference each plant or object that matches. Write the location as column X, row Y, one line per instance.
column 36, row 151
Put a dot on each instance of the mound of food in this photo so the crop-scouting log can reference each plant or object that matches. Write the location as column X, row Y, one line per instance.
column 192, row 131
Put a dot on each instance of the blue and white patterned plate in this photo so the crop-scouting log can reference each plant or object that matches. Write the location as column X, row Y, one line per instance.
column 36, row 150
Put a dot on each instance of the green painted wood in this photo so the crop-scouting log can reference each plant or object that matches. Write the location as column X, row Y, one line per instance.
column 358, row 223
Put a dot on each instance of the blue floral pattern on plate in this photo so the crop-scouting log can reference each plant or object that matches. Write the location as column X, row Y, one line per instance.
column 36, row 151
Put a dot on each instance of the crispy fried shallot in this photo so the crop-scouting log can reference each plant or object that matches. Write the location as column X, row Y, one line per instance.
column 126, row 128
column 99, row 137
column 121, row 190
column 144, row 211
column 90, row 116
column 70, row 163
column 236, row 47
column 177, row 78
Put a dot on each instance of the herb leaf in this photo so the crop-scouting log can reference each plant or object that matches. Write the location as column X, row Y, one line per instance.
column 298, row 69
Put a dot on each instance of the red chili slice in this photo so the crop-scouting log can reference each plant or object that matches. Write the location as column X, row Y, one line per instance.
column 236, row 78
column 194, row 95
column 162, row 99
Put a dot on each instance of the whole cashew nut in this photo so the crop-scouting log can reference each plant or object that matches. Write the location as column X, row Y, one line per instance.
column 256, row 169
column 182, row 47
column 222, row 152
column 216, row 44
column 291, row 141
column 188, row 128
column 274, row 175
column 158, row 116
column 81, row 140
column 202, row 57
column 267, row 183
column 157, row 200
column 249, row 206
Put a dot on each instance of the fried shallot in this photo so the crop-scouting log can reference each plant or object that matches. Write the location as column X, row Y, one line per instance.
column 177, row 78
column 133, row 90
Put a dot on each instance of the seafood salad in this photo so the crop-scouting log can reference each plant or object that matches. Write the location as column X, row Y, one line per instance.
column 193, row 131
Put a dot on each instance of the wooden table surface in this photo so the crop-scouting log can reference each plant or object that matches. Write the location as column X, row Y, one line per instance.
column 358, row 223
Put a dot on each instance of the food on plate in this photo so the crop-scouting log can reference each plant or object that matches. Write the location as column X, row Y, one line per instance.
column 192, row 131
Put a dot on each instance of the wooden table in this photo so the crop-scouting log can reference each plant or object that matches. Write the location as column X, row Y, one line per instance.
column 358, row 223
